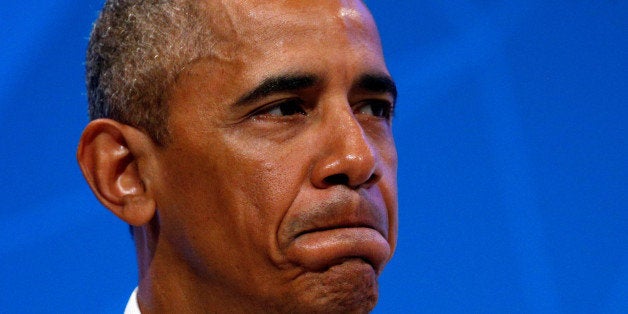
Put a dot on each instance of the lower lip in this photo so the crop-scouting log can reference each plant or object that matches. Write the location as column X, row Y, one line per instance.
column 320, row 250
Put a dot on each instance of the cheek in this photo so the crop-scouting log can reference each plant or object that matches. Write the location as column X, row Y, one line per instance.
column 228, row 207
column 388, row 184
column 271, row 170
column 248, row 186
column 271, row 182
column 388, row 188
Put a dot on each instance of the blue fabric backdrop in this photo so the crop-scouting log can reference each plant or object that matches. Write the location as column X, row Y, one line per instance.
column 512, row 135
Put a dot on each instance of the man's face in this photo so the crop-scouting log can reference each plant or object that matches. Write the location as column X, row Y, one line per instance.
column 279, row 184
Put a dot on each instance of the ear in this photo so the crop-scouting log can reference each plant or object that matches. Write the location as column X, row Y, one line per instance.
column 109, row 154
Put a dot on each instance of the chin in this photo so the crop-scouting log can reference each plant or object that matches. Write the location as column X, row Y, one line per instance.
column 349, row 287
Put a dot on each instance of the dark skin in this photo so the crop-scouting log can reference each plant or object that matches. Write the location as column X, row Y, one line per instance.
column 277, row 192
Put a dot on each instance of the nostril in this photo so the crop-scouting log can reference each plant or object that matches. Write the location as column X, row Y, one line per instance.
column 343, row 179
column 337, row 179
column 372, row 179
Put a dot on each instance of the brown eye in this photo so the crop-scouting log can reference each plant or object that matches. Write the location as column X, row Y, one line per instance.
column 285, row 108
column 377, row 108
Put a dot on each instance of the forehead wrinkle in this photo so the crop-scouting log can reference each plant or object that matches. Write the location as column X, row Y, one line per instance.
column 238, row 25
column 227, row 20
column 254, row 21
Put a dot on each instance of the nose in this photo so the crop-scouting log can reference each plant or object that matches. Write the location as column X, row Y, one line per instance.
column 347, row 156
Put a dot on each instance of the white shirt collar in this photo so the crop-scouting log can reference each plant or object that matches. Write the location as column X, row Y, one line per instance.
column 132, row 307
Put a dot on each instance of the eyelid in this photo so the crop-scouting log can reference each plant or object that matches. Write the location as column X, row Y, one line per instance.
column 264, row 109
column 388, row 105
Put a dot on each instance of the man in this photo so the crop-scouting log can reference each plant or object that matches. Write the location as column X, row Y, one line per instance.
column 249, row 145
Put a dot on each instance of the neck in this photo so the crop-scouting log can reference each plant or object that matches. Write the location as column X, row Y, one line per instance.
column 167, row 283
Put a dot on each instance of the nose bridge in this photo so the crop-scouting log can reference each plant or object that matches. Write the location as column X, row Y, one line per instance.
column 349, row 140
column 349, row 157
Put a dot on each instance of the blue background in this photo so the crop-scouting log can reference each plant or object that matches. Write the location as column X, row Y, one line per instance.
column 511, row 130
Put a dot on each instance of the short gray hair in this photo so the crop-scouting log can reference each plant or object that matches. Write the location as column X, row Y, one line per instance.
column 136, row 50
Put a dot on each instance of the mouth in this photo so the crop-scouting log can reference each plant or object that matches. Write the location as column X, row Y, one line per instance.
column 330, row 235
column 320, row 249
column 340, row 226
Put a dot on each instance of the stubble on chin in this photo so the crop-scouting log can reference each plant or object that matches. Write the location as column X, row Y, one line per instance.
column 348, row 287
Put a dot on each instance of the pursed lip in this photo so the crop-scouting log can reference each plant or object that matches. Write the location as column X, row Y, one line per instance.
column 346, row 225
column 341, row 211
column 349, row 224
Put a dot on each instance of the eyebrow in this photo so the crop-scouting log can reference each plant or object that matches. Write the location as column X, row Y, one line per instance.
column 370, row 82
column 377, row 83
column 278, row 84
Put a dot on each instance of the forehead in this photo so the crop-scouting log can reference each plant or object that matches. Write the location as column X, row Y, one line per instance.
column 253, row 23
column 239, row 13
column 254, row 40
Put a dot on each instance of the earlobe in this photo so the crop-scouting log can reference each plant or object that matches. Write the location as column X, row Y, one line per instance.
column 108, row 156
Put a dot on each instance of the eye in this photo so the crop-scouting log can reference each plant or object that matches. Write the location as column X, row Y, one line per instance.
column 286, row 107
column 376, row 107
